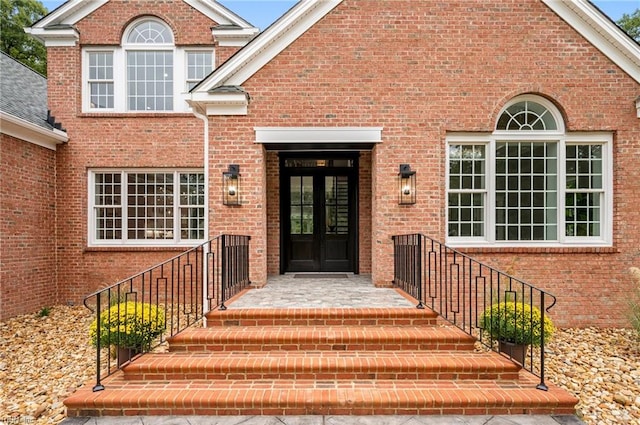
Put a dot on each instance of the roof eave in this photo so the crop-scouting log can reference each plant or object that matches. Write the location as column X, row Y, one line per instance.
column 236, row 37
column 32, row 133
column 220, row 102
column 55, row 37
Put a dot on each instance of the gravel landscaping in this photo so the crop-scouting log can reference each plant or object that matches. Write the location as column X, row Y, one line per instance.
column 44, row 359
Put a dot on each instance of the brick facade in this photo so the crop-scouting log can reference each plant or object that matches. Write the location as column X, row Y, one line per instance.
column 27, row 225
column 425, row 71
column 417, row 69
column 118, row 141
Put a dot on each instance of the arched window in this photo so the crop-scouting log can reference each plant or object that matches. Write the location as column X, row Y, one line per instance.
column 149, row 58
column 529, row 182
column 526, row 115
column 147, row 72
column 150, row 31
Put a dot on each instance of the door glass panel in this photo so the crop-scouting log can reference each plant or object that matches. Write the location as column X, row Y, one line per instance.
column 336, row 205
column 301, row 218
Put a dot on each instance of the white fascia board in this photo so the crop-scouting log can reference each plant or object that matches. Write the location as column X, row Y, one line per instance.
column 29, row 132
column 269, row 43
column 600, row 32
column 220, row 103
column 318, row 134
column 218, row 13
column 67, row 37
column 234, row 37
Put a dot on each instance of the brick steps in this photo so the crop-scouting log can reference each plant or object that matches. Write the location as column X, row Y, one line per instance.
column 322, row 366
column 279, row 397
column 321, row 338
column 321, row 362
column 322, row 317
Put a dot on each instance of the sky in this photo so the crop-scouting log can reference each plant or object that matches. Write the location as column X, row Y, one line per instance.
column 262, row 13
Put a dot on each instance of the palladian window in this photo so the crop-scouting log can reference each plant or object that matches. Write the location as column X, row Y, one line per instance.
column 529, row 182
column 147, row 73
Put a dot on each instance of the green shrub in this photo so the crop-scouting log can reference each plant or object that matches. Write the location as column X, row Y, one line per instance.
column 516, row 323
column 129, row 324
column 44, row 312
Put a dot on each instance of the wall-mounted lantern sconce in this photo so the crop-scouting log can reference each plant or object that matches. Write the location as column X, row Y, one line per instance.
column 638, row 106
column 407, row 194
column 231, row 185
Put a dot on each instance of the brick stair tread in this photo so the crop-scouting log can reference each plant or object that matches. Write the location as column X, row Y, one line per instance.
column 384, row 362
column 337, row 334
column 269, row 317
column 308, row 396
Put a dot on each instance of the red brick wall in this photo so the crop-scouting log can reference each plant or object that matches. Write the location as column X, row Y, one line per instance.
column 273, row 213
column 416, row 68
column 421, row 69
column 27, row 226
column 106, row 25
column 137, row 140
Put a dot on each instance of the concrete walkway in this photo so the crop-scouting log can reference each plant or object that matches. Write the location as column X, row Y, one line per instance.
column 298, row 291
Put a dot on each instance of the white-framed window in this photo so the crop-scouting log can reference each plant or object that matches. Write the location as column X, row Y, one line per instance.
column 529, row 183
column 101, row 79
column 199, row 65
column 146, row 73
column 146, row 207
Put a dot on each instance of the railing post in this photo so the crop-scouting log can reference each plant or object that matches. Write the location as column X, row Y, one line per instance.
column 206, row 249
column 419, row 272
column 223, row 258
column 98, row 386
column 542, row 386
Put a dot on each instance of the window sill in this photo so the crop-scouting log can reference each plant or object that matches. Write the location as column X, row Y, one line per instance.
column 124, row 248
column 538, row 250
column 96, row 114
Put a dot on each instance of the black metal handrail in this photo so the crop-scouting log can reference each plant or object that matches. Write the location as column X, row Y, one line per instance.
column 463, row 291
column 164, row 300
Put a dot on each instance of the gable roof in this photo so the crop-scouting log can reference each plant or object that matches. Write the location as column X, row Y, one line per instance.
column 56, row 28
column 23, row 104
column 582, row 15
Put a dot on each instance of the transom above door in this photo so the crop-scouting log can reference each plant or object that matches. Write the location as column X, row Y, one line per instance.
column 318, row 213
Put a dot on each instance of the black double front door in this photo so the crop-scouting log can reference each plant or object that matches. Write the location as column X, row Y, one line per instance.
column 319, row 214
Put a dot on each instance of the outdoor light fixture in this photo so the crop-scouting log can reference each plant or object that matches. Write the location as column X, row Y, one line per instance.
column 638, row 106
column 407, row 194
column 231, row 185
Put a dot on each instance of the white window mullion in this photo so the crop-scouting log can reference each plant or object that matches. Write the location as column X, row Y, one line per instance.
column 491, row 192
column 562, row 191
column 177, row 234
column 125, row 207
column 120, row 80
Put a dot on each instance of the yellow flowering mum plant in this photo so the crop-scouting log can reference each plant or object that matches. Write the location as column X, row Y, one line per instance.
column 129, row 324
column 517, row 323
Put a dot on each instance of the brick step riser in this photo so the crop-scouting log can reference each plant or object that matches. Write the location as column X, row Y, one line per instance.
column 222, row 346
column 241, row 375
column 217, row 322
column 267, row 402
column 337, row 411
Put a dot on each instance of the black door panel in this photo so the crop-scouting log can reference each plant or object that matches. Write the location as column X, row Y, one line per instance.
column 319, row 216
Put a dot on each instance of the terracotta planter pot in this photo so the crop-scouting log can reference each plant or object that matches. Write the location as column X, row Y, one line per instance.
column 517, row 352
column 126, row 354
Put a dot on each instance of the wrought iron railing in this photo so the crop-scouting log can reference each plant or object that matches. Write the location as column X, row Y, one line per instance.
column 481, row 300
column 139, row 313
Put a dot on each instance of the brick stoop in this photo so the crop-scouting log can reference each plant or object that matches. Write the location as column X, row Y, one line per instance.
column 380, row 361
